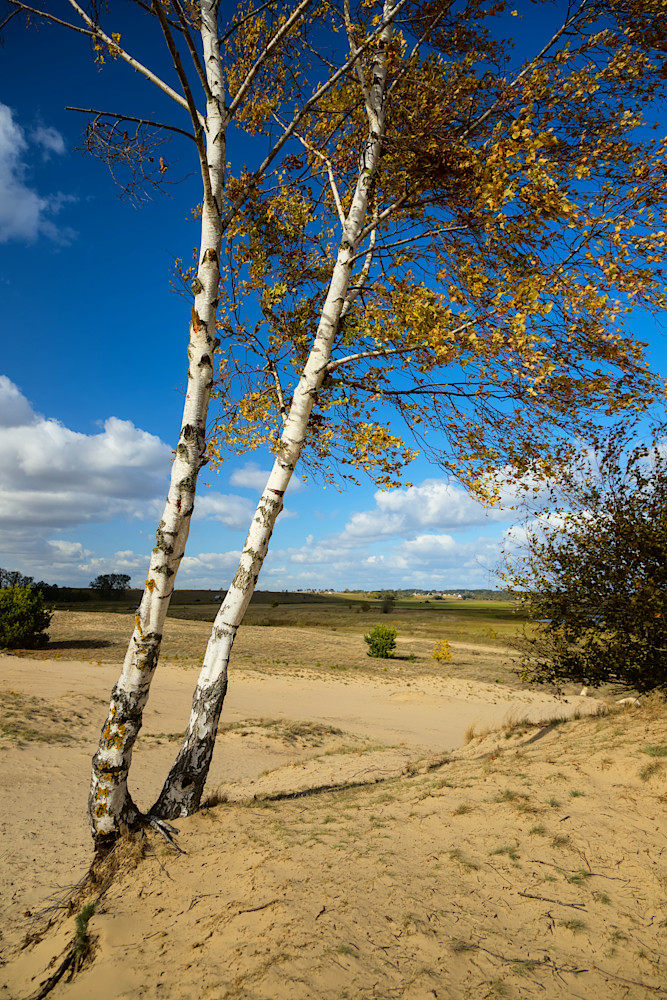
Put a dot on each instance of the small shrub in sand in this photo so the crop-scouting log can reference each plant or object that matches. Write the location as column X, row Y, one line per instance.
column 381, row 642
column 23, row 618
column 441, row 652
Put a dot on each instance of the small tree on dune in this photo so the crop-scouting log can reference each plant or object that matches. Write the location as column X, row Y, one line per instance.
column 592, row 575
column 23, row 618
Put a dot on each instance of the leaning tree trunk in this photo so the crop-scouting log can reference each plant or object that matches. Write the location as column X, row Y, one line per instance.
column 184, row 786
column 111, row 807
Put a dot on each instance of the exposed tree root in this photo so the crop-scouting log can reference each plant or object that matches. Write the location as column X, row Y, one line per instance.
column 48, row 984
column 165, row 830
column 126, row 852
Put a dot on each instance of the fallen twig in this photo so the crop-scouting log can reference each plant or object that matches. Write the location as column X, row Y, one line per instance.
column 546, row 899
column 262, row 906
column 632, row 982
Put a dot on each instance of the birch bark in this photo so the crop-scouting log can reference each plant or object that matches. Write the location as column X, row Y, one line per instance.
column 182, row 791
column 111, row 807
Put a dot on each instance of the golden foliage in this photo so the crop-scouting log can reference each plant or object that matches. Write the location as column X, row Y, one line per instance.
column 520, row 219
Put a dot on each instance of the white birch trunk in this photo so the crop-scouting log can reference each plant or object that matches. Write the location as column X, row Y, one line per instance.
column 111, row 807
column 184, row 786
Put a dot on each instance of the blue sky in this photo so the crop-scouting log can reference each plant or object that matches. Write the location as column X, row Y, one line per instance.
column 93, row 363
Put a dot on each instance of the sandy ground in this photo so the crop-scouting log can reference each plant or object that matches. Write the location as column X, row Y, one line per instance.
column 525, row 863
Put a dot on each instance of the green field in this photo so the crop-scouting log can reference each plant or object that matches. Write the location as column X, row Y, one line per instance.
column 486, row 622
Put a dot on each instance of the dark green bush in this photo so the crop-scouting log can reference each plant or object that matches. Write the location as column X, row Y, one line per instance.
column 593, row 580
column 23, row 618
column 381, row 642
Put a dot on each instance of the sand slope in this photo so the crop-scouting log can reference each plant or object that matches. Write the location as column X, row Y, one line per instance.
column 525, row 865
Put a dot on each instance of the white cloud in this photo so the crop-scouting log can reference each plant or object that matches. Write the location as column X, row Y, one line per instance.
column 50, row 140
column 15, row 410
column 24, row 214
column 124, row 561
column 252, row 477
column 73, row 552
column 232, row 511
column 53, row 477
column 208, row 569
column 435, row 503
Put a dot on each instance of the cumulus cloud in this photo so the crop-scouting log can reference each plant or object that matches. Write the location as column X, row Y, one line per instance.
column 208, row 569
column 53, row 477
column 15, row 410
column 24, row 214
column 232, row 511
column 69, row 552
column 435, row 503
column 252, row 477
column 426, row 536
column 124, row 561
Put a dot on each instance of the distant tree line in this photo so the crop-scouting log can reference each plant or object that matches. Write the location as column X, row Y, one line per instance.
column 107, row 586
column 466, row 595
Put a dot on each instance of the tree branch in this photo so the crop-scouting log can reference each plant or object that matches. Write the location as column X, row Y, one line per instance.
column 9, row 17
column 419, row 236
column 197, row 120
column 248, row 17
column 48, row 17
column 97, row 32
column 185, row 30
column 385, row 352
column 356, row 289
column 131, row 118
column 533, row 62
column 271, row 365
column 384, row 214
column 304, row 110
column 253, row 71
column 325, row 159
column 357, row 67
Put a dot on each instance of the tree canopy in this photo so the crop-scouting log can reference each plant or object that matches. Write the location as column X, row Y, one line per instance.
column 111, row 584
column 518, row 216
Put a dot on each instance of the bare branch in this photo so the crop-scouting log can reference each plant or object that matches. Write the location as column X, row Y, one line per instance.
column 48, row 17
column 271, row 365
column 384, row 214
column 8, row 18
column 97, row 32
column 185, row 30
column 357, row 65
column 149, row 10
column 418, row 236
column 130, row 118
column 355, row 290
column 116, row 147
column 197, row 120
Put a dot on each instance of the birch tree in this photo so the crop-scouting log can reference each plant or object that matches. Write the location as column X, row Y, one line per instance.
column 533, row 211
column 261, row 42
column 434, row 229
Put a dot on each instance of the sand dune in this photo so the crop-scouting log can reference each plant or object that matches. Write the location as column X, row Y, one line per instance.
column 530, row 863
